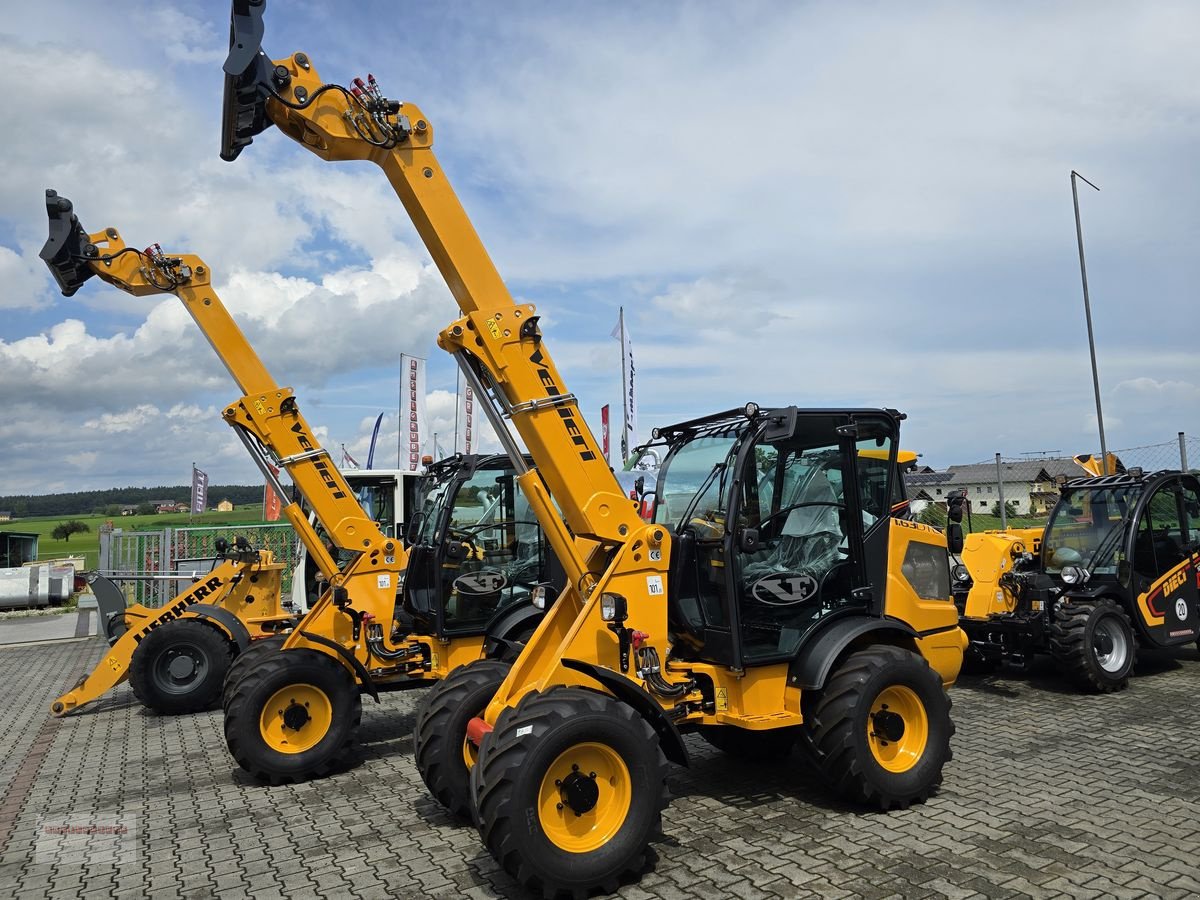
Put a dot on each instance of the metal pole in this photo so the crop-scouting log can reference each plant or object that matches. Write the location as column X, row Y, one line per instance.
column 1000, row 489
column 1087, row 309
column 1183, row 466
column 457, row 404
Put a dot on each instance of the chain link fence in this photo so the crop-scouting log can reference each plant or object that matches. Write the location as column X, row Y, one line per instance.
column 1020, row 492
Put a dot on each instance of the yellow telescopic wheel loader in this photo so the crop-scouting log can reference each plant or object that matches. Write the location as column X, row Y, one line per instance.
column 771, row 596
column 176, row 657
column 482, row 573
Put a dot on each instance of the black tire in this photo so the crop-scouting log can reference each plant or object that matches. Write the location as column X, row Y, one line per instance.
column 850, row 739
column 1094, row 644
column 179, row 667
column 441, row 730
column 759, row 746
column 248, row 658
column 545, row 730
column 310, row 674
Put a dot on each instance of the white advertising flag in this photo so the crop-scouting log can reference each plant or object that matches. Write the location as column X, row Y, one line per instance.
column 468, row 419
column 628, row 388
column 412, row 412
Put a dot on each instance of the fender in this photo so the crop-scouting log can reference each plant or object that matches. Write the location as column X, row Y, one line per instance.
column 227, row 620
column 502, row 631
column 359, row 669
column 647, row 707
column 811, row 666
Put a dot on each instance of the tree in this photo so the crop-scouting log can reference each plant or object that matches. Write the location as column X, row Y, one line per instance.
column 64, row 530
column 1010, row 508
column 145, row 509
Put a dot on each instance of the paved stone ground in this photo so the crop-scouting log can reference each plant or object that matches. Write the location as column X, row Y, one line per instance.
column 1051, row 794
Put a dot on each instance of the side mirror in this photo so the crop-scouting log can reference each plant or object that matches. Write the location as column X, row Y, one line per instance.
column 954, row 506
column 748, row 541
column 954, row 538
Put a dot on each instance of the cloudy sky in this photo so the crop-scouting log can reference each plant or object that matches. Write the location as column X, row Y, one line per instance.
column 819, row 204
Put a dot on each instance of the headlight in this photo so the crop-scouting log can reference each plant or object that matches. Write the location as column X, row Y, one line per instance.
column 612, row 608
column 960, row 573
column 1075, row 575
column 539, row 596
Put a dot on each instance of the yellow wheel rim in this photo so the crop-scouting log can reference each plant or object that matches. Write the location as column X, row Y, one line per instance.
column 296, row 718
column 898, row 728
column 470, row 753
column 584, row 797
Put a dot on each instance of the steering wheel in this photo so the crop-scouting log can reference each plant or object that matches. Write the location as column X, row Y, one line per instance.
column 787, row 509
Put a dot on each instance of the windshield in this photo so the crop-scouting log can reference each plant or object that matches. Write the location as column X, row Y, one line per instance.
column 1086, row 528
column 693, row 481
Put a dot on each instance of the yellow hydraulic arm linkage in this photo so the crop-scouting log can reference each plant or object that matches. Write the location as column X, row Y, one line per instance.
column 564, row 765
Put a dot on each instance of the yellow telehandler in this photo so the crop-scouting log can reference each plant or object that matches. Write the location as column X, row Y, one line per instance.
column 480, row 582
column 771, row 598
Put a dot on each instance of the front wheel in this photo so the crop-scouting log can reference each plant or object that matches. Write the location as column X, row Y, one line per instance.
column 443, row 754
column 1094, row 645
column 292, row 717
column 179, row 667
column 569, row 789
column 882, row 728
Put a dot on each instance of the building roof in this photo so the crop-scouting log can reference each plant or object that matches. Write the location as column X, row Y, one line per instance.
column 1020, row 472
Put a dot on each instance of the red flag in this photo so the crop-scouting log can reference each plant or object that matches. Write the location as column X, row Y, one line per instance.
column 604, row 430
column 272, row 502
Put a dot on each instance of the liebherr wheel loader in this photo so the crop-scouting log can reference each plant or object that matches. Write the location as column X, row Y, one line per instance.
column 768, row 596
column 1117, row 565
column 176, row 657
column 292, row 702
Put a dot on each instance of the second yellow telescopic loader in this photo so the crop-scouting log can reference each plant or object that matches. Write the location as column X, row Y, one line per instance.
column 767, row 598
column 483, row 576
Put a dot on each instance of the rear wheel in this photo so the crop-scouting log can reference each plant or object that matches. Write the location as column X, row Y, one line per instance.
column 776, row 744
column 1094, row 645
column 292, row 717
column 444, row 755
column 882, row 728
column 246, row 660
column 179, row 666
column 570, row 787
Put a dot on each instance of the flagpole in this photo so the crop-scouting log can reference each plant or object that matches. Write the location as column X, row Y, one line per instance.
column 457, row 403
column 624, row 393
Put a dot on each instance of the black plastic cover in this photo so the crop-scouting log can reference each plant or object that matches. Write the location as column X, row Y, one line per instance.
column 65, row 247
column 247, row 74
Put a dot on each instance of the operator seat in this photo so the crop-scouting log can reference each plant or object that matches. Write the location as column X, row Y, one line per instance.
column 809, row 538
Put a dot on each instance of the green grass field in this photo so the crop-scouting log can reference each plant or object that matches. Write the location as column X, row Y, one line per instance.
column 87, row 544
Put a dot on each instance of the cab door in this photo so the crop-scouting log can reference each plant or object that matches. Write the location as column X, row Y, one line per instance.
column 1165, row 562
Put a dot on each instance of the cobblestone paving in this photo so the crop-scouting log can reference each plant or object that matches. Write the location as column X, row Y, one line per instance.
column 1050, row 794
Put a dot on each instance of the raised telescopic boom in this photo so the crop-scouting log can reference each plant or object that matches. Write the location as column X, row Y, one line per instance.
column 600, row 540
column 268, row 422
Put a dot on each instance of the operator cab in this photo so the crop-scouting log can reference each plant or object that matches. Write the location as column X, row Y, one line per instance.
column 477, row 550
column 777, row 517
